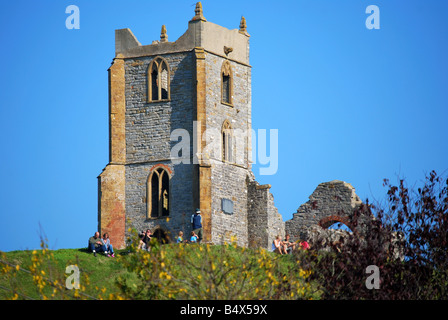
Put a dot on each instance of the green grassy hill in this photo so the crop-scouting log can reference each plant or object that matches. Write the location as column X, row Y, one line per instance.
column 166, row 272
column 101, row 272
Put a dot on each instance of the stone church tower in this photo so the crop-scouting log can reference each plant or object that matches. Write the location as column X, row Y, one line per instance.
column 180, row 139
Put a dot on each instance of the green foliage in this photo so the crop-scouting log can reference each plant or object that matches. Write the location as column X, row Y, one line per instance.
column 175, row 271
column 40, row 274
column 408, row 242
column 192, row 271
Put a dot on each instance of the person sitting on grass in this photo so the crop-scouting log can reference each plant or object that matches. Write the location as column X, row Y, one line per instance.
column 304, row 245
column 180, row 238
column 290, row 246
column 146, row 239
column 106, row 242
column 96, row 245
column 278, row 246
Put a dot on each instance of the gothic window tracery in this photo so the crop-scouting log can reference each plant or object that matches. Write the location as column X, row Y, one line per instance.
column 226, row 83
column 158, row 80
column 158, row 193
column 227, row 142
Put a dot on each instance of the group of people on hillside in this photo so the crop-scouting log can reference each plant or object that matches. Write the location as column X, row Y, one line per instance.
column 287, row 246
column 103, row 245
column 97, row 244
column 196, row 233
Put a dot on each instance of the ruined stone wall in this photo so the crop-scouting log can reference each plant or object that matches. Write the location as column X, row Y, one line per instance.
column 257, row 216
column 331, row 202
column 229, row 182
column 276, row 225
column 264, row 221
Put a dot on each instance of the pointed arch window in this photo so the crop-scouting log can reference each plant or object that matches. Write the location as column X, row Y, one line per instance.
column 158, row 193
column 158, row 80
column 227, row 142
column 226, row 83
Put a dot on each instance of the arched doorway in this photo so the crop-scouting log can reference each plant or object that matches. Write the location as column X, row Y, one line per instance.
column 336, row 222
column 161, row 236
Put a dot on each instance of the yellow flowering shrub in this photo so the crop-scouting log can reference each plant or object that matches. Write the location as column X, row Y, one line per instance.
column 212, row 272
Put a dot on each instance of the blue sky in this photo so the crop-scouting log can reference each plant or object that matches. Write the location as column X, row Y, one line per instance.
column 349, row 103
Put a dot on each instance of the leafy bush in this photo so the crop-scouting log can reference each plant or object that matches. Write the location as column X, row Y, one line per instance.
column 407, row 242
column 192, row 271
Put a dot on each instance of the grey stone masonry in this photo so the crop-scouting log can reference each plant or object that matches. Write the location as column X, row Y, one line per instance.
column 264, row 221
column 229, row 182
column 331, row 202
column 228, row 178
column 149, row 125
column 238, row 115
column 181, row 199
column 148, row 130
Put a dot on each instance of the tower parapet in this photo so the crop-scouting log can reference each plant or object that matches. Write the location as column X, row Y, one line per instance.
column 200, row 34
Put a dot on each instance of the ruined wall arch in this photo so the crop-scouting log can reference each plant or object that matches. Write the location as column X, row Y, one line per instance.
column 331, row 202
column 161, row 234
column 327, row 222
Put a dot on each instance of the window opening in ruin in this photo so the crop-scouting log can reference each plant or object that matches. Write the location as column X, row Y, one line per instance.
column 227, row 142
column 164, row 82
column 159, row 194
column 335, row 222
column 154, row 83
column 226, row 89
column 154, row 196
column 161, row 236
column 158, row 80
column 340, row 226
column 227, row 83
